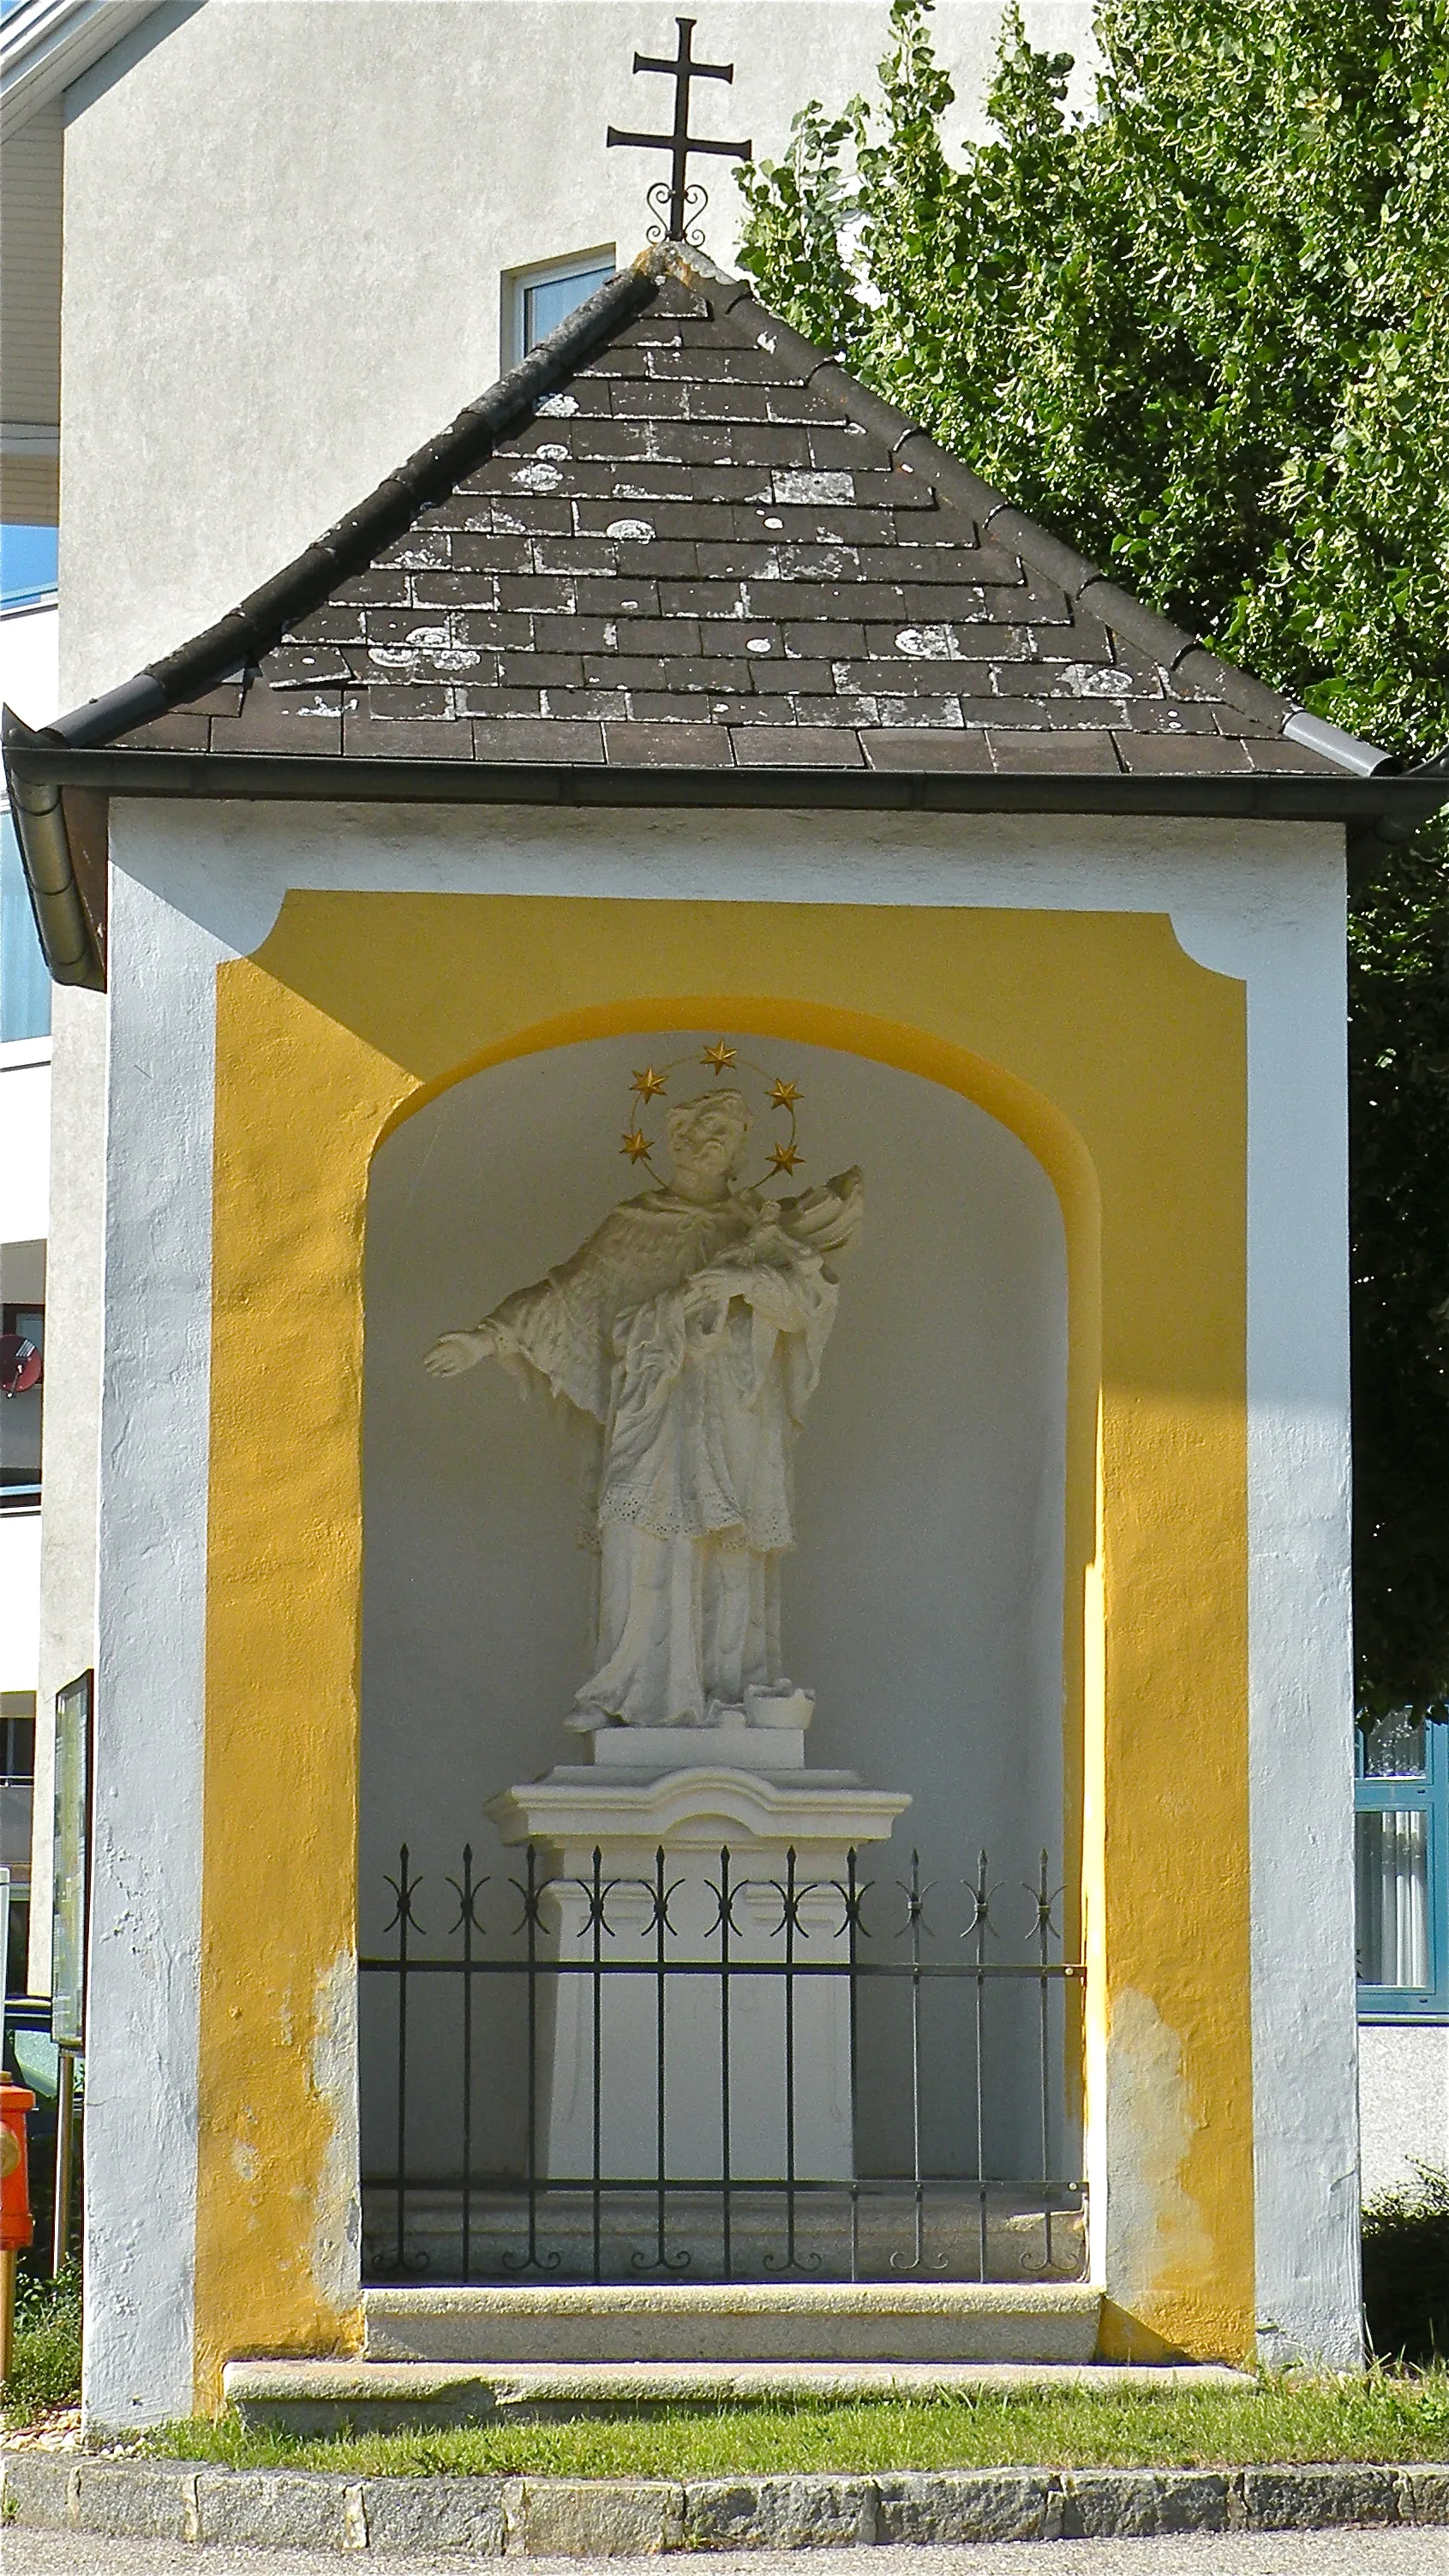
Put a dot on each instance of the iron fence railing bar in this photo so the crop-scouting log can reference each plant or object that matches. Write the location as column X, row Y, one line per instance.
column 993, row 1971
column 725, row 1904
column 791, row 1923
column 596, row 1914
column 646, row 2185
column 483, row 2208
column 852, row 1934
column 1044, row 1902
column 467, row 1923
column 914, row 1903
column 981, row 1901
column 403, row 1888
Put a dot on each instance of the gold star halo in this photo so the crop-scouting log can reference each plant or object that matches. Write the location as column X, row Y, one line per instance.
column 651, row 1082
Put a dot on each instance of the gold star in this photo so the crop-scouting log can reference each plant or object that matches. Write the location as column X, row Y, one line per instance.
column 719, row 1055
column 783, row 1158
column 649, row 1084
column 784, row 1094
column 636, row 1146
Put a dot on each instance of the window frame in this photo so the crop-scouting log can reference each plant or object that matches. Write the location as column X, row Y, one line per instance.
column 1428, row 1793
column 27, row 1499
column 518, row 282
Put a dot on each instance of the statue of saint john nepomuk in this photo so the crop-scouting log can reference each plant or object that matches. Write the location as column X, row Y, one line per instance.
column 688, row 1332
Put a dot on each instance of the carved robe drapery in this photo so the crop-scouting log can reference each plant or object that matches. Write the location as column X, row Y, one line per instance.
column 692, row 1336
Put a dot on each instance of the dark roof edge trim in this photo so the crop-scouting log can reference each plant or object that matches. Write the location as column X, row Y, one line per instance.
column 67, row 941
column 1399, row 802
column 1082, row 581
column 356, row 537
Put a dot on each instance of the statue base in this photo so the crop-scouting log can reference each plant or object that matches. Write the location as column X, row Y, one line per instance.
column 720, row 2064
column 731, row 1746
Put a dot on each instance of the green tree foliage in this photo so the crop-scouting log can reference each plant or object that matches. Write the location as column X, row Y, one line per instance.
column 1203, row 333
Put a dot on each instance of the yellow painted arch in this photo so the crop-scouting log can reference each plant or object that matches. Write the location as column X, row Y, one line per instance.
column 1096, row 1040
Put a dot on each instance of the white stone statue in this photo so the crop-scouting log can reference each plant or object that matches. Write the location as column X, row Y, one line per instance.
column 689, row 1329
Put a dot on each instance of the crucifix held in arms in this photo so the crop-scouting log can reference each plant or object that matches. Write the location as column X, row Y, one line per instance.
column 680, row 143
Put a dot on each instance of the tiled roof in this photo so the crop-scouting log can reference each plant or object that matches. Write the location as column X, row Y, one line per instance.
column 696, row 542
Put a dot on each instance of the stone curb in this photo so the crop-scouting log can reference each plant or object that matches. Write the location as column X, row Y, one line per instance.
column 612, row 2517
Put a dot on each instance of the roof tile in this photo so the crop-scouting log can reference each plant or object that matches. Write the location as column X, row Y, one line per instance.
column 1093, row 753
column 685, row 538
column 1159, row 752
column 961, row 752
column 812, row 746
column 537, row 738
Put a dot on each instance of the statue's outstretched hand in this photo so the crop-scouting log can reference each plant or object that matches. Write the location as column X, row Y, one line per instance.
column 456, row 1352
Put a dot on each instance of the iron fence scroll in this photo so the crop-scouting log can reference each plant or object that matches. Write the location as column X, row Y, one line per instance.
column 807, row 2076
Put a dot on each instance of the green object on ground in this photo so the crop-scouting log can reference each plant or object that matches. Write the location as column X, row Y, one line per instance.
column 1406, row 2271
column 1282, row 2418
column 47, row 2365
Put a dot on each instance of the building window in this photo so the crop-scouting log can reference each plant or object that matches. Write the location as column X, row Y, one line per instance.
column 24, row 982
column 22, row 1349
column 536, row 300
column 17, row 1779
column 1401, row 1869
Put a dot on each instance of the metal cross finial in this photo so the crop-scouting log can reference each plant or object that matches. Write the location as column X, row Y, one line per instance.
column 683, row 198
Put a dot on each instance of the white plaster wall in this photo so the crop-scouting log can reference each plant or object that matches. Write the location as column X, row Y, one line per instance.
column 141, row 2054
column 1260, row 901
column 29, row 662
column 1291, row 947
column 71, row 1432
column 29, row 683
column 24, row 1140
column 19, row 1600
column 1403, row 2102
column 923, row 1602
column 279, row 219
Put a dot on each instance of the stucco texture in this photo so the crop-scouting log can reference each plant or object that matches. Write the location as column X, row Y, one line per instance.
column 1096, row 1040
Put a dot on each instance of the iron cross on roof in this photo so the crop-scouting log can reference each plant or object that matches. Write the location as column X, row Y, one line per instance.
column 682, row 196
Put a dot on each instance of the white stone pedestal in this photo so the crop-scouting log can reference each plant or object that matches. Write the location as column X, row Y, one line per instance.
column 726, row 2103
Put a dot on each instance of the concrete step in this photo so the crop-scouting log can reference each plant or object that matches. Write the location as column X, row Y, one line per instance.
column 312, row 2398
column 822, row 2323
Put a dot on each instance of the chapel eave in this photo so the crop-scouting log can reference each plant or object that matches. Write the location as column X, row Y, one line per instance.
column 679, row 557
column 1400, row 800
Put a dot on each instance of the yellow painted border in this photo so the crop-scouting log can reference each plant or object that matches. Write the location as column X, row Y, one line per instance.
column 1121, row 1064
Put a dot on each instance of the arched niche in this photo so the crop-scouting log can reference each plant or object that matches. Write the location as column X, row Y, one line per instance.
column 924, row 1600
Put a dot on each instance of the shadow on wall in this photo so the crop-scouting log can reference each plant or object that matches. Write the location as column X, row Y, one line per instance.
column 923, row 1603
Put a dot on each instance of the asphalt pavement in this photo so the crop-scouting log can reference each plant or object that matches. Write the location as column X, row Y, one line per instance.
column 1294, row 2553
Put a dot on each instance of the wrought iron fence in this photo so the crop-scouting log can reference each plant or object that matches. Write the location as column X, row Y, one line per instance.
column 567, row 2080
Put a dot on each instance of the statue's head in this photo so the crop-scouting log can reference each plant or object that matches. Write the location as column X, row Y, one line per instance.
column 707, row 1142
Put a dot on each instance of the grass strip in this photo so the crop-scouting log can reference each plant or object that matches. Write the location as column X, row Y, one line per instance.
column 1289, row 2417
